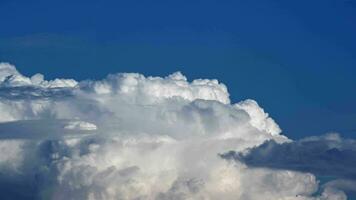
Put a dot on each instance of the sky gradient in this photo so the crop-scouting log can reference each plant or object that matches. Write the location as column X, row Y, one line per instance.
column 295, row 58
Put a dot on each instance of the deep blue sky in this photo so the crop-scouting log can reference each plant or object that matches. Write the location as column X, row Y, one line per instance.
column 296, row 58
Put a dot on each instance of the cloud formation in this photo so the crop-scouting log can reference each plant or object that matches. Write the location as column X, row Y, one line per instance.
column 326, row 155
column 134, row 137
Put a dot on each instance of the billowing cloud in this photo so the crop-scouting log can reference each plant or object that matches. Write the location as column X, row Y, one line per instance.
column 134, row 137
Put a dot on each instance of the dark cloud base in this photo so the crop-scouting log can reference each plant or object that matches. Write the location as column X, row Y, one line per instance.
column 329, row 157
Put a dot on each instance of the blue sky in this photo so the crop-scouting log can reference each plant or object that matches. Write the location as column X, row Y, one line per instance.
column 296, row 58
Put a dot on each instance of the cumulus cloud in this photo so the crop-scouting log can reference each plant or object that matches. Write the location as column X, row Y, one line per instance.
column 134, row 137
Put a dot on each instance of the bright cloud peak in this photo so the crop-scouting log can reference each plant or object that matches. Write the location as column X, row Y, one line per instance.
column 134, row 137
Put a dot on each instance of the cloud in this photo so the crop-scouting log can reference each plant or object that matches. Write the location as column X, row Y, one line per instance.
column 10, row 77
column 134, row 137
column 326, row 155
column 342, row 184
column 80, row 125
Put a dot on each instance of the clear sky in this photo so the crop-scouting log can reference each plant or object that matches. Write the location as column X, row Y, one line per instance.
column 297, row 59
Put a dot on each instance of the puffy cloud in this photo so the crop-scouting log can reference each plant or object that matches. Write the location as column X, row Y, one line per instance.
column 134, row 137
column 258, row 118
column 10, row 77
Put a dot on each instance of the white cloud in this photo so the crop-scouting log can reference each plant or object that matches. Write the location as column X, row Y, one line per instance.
column 10, row 77
column 258, row 118
column 80, row 125
column 150, row 138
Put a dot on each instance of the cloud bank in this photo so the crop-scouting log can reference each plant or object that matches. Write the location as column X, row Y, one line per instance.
column 134, row 137
column 327, row 155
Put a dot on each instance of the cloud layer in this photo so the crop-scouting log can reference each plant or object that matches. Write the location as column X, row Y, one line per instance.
column 134, row 137
column 327, row 155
